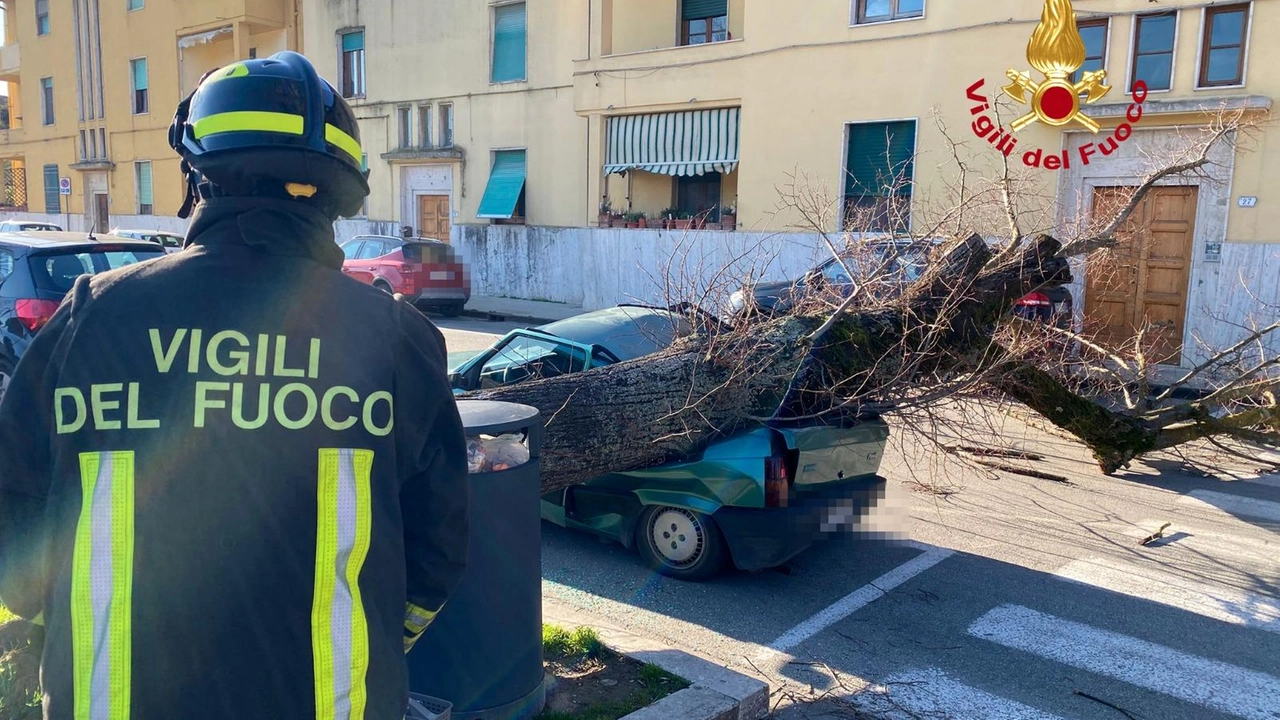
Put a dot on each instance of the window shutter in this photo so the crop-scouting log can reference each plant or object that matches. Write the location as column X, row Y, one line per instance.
column 698, row 9
column 506, row 180
column 52, row 200
column 509, row 42
column 353, row 41
column 144, row 183
column 140, row 74
column 880, row 153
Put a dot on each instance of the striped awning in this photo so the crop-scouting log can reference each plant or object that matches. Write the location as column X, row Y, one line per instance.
column 693, row 142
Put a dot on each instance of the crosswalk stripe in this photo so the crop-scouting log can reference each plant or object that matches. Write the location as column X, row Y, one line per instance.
column 1227, row 604
column 1234, row 504
column 929, row 692
column 1268, row 480
column 1209, row 683
column 1232, row 548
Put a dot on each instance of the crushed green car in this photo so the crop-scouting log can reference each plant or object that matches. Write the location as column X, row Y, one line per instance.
column 754, row 499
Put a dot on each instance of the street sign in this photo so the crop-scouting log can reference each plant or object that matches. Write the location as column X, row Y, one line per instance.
column 64, row 186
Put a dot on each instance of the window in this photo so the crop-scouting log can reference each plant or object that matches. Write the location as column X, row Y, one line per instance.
column 704, row 21
column 52, row 199
column 6, row 264
column 699, row 195
column 509, row 43
column 1222, row 55
column 142, row 177
column 503, row 198
column 352, row 64
column 138, row 71
column 879, row 164
column 405, row 117
column 351, row 249
column 1153, row 50
column 874, row 11
column 446, row 125
column 46, row 100
column 372, row 249
column 424, row 126
column 135, row 5
column 1095, row 34
column 42, row 17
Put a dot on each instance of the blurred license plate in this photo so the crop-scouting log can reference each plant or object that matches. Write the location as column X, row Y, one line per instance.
column 441, row 275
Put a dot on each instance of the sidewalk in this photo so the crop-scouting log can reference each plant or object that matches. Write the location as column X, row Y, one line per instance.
column 523, row 310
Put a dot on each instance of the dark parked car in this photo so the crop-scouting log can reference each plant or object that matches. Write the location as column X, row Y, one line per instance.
column 37, row 269
column 890, row 265
column 427, row 271
column 755, row 499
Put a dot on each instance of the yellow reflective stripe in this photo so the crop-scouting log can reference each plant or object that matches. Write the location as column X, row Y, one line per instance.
column 248, row 121
column 339, row 629
column 102, row 588
column 234, row 70
column 416, row 619
column 336, row 136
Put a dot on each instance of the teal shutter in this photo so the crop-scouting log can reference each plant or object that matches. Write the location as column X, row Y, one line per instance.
column 52, row 200
column 144, row 183
column 140, row 74
column 878, row 155
column 509, row 42
column 698, row 9
column 135, row 4
column 353, row 41
column 506, row 180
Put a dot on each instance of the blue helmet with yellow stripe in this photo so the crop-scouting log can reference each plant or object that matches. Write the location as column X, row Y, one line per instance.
column 272, row 127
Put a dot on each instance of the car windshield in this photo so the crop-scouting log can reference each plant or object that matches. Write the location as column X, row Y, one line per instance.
column 57, row 272
column 526, row 358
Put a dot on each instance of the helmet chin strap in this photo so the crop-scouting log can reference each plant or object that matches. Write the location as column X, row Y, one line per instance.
column 193, row 181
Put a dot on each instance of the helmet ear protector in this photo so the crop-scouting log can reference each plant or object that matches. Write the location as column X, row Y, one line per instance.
column 270, row 128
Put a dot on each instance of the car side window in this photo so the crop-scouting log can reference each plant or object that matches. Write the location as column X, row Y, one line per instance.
column 351, row 249
column 372, row 249
column 6, row 264
column 528, row 358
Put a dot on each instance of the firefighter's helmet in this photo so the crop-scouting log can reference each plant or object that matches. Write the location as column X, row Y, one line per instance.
column 272, row 127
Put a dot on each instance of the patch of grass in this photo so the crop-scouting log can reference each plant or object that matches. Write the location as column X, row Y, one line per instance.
column 19, row 669
column 5, row 615
column 582, row 643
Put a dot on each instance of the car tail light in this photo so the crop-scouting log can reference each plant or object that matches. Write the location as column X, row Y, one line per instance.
column 777, row 482
column 35, row 313
column 1038, row 299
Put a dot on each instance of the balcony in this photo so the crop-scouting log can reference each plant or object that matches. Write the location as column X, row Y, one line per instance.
column 10, row 63
column 210, row 13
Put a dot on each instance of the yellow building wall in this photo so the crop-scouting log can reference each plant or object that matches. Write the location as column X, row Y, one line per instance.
column 796, row 101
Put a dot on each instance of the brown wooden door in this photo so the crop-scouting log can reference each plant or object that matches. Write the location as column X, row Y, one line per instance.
column 102, row 219
column 1144, row 279
column 433, row 217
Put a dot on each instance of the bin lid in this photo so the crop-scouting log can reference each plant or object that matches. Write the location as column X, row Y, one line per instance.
column 489, row 417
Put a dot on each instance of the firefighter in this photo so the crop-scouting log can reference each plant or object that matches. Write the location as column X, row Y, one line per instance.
column 232, row 480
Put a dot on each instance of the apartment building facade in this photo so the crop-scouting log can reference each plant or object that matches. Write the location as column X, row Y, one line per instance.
column 520, row 120
column 92, row 88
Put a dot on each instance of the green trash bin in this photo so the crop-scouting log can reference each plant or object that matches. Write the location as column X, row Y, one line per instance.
column 483, row 652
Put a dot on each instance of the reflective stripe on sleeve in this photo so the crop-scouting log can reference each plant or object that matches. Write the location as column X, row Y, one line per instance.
column 339, row 630
column 102, row 587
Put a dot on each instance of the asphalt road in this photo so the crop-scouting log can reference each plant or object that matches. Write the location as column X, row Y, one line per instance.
column 1017, row 598
column 468, row 333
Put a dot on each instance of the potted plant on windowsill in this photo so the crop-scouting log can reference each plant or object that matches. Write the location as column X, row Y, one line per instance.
column 669, row 218
column 729, row 218
column 683, row 221
column 606, row 211
column 642, row 221
column 617, row 220
column 633, row 220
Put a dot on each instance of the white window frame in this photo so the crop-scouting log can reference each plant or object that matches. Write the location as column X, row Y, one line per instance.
column 452, row 116
column 1248, row 41
column 1133, row 49
column 133, row 107
column 363, row 86
column 49, row 118
column 426, row 116
column 853, row 16
column 844, row 171
column 1106, row 46
column 142, row 4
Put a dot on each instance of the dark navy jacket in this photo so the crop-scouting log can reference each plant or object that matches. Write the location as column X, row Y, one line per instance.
column 224, row 474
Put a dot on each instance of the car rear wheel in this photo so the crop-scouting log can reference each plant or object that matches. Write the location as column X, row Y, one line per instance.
column 680, row 543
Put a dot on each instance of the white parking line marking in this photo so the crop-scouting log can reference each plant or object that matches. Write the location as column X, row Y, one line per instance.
column 1219, row 602
column 1234, row 504
column 931, row 693
column 1209, row 683
column 860, row 598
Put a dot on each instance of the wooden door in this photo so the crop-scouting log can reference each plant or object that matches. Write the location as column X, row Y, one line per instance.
column 1144, row 280
column 102, row 219
column 433, row 217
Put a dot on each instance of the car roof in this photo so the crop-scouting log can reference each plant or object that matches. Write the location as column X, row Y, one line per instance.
column 627, row 331
column 425, row 241
column 40, row 239
column 147, row 232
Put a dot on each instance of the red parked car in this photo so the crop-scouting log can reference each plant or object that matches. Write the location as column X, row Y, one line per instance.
column 427, row 271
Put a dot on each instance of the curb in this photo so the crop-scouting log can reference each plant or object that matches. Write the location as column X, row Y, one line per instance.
column 714, row 693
